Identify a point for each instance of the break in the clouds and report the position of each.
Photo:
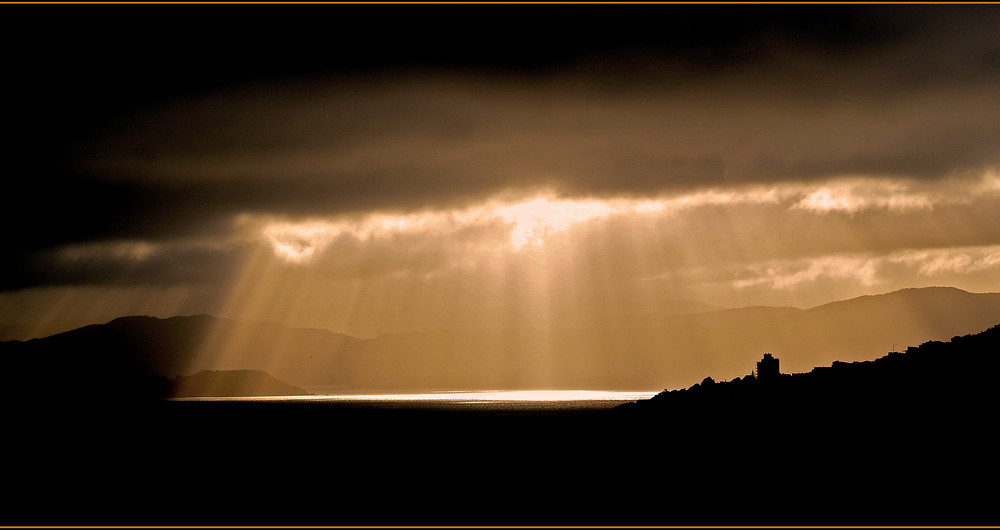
(726, 155)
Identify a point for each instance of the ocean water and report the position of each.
(469, 400)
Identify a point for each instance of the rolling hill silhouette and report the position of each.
(960, 373)
(232, 383)
(666, 353)
(138, 356)
(903, 439)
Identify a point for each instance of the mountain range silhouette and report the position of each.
(140, 355)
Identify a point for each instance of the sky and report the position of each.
(375, 169)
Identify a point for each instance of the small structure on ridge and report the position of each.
(767, 369)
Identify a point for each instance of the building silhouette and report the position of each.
(767, 368)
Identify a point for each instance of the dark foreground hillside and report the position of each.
(906, 440)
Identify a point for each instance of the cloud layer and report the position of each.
(729, 155)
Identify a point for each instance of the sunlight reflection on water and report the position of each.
(540, 398)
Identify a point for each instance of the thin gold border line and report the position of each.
(749, 527)
(502, 2)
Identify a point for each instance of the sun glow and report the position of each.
(528, 223)
(525, 222)
(531, 221)
(535, 220)
(298, 243)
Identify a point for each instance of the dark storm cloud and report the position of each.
(123, 264)
(159, 123)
